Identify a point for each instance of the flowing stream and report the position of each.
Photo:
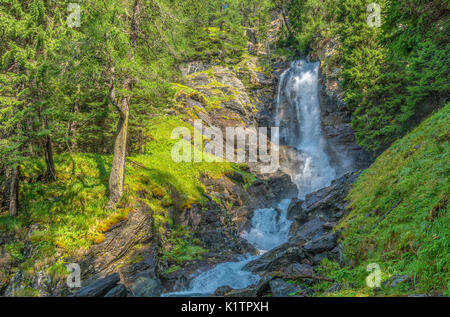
(298, 116)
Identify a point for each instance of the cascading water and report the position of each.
(298, 116)
(270, 227)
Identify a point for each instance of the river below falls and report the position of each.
(297, 113)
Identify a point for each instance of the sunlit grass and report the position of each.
(414, 237)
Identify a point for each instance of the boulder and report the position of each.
(280, 288)
(245, 292)
(222, 290)
(268, 193)
(396, 280)
(146, 287)
(310, 230)
(276, 259)
(118, 291)
(322, 244)
(329, 203)
(295, 210)
(99, 287)
(298, 269)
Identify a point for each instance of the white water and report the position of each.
(298, 115)
(270, 228)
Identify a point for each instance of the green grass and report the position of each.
(70, 214)
(414, 237)
(180, 247)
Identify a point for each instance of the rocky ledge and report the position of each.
(312, 240)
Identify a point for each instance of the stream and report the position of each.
(298, 116)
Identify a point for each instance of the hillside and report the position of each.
(399, 215)
(135, 138)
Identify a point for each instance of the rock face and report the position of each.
(146, 287)
(218, 227)
(276, 259)
(345, 154)
(118, 291)
(217, 231)
(312, 241)
(99, 287)
(280, 288)
(327, 204)
(267, 193)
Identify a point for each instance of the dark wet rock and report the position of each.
(336, 287)
(345, 154)
(295, 210)
(337, 254)
(118, 291)
(298, 269)
(322, 244)
(179, 279)
(329, 203)
(222, 290)
(276, 259)
(396, 280)
(245, 292)
(318, 258)
(99, 287)
(146, 287)
(215, 229)
(268, 193)
(280, 288)
(310, 230)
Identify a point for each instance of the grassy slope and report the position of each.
(70, 214)
(413, 238)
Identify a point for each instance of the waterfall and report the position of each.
(298, 116)
(270, 227)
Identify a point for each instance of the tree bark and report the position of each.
(284, 14)
(50, 174)
(117, 176)
(14, 192)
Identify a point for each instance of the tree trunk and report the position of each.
(284, 14)
(221, 18)
(50, 174)
(14, 192)
(117, 176)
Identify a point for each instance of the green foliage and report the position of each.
(312, 20)
(392, 76)
(410, 180)
(15, 250)
(181, 248)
